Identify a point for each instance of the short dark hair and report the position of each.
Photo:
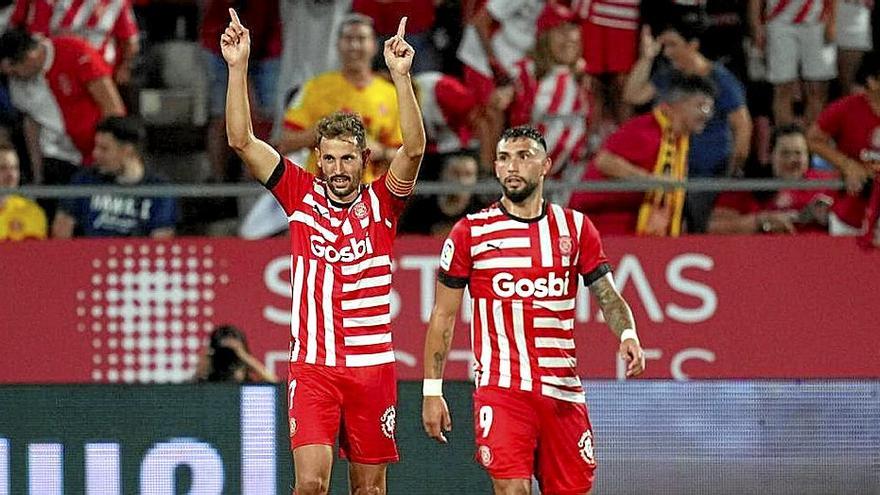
(342, 124)
(785, 130)
(128, 130)
(15, 44)
(684, 85)
(870, 67)
(352, 19)
(524, 131)
(689, 22)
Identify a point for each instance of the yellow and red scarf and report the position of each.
(661, 210)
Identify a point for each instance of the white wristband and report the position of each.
(629, 333)
(432, 387)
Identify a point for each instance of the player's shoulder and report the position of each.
(489, 214)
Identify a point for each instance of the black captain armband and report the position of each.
(450, 281)
(599, 272)
(273, 179)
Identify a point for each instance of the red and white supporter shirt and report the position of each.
(58, 99)
(340, 269)
(522, 276)
(103, 23)
(795, 11)
(558, 106)
(617, 14)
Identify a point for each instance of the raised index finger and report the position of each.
(234, 17)
(401, 28)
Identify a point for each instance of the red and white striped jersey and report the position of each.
(103, 23)
(58, 99)
(522, 276)
(558, 107)
(619, 14)
(340, 269)
(446, 105)
(795, 11)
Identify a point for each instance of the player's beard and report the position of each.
(520, 195)
(343, 191)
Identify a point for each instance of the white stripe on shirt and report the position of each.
(366, 302)
(327, 306)
(383, 260)
(366, 321)
(522, 350)
(511, 262)
(376, 338)
(553, 343)
(311, 314)
(360, 360)
(503, 345)
(367, 282)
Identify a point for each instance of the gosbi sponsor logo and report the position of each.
(505, 285)
(355, 250)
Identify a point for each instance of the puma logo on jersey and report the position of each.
(355, 250)
(506, 286)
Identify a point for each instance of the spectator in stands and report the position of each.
(552, 95)
(796, 33)
(854, 39)
(498, 34)
(354, 88)
(265, 24)
(610, 36)
(780, 212)
(653, 146)
(118, 162)
(420, 16)
(723, 146)
(108, 26)
(847, 135)
(435, 214)
(20, 217)
(59, 123)
(228, 359)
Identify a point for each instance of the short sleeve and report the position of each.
(455, 257)
(391, 204)
(634, 141)
(125, 28)
(830, 120)
(76, 207)
(731, 94)
(592, 262)
(164, 214)
(299, 115)
(89, 64)
(740, 201)
(287, 183)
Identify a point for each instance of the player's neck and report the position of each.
(528, 209)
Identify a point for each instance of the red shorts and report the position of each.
(357, 404)
(608, 50)
(520, 434)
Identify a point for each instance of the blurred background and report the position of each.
(145, 282)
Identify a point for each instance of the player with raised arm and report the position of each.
(341, 357)
(521, 259)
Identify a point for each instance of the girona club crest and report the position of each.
(360, 211)
(389, 422)
(566, 245)
(585, 447)
(485, 455)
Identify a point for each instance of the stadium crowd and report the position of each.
(131, 92)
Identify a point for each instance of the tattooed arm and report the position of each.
(435, 413)
(619, 318)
